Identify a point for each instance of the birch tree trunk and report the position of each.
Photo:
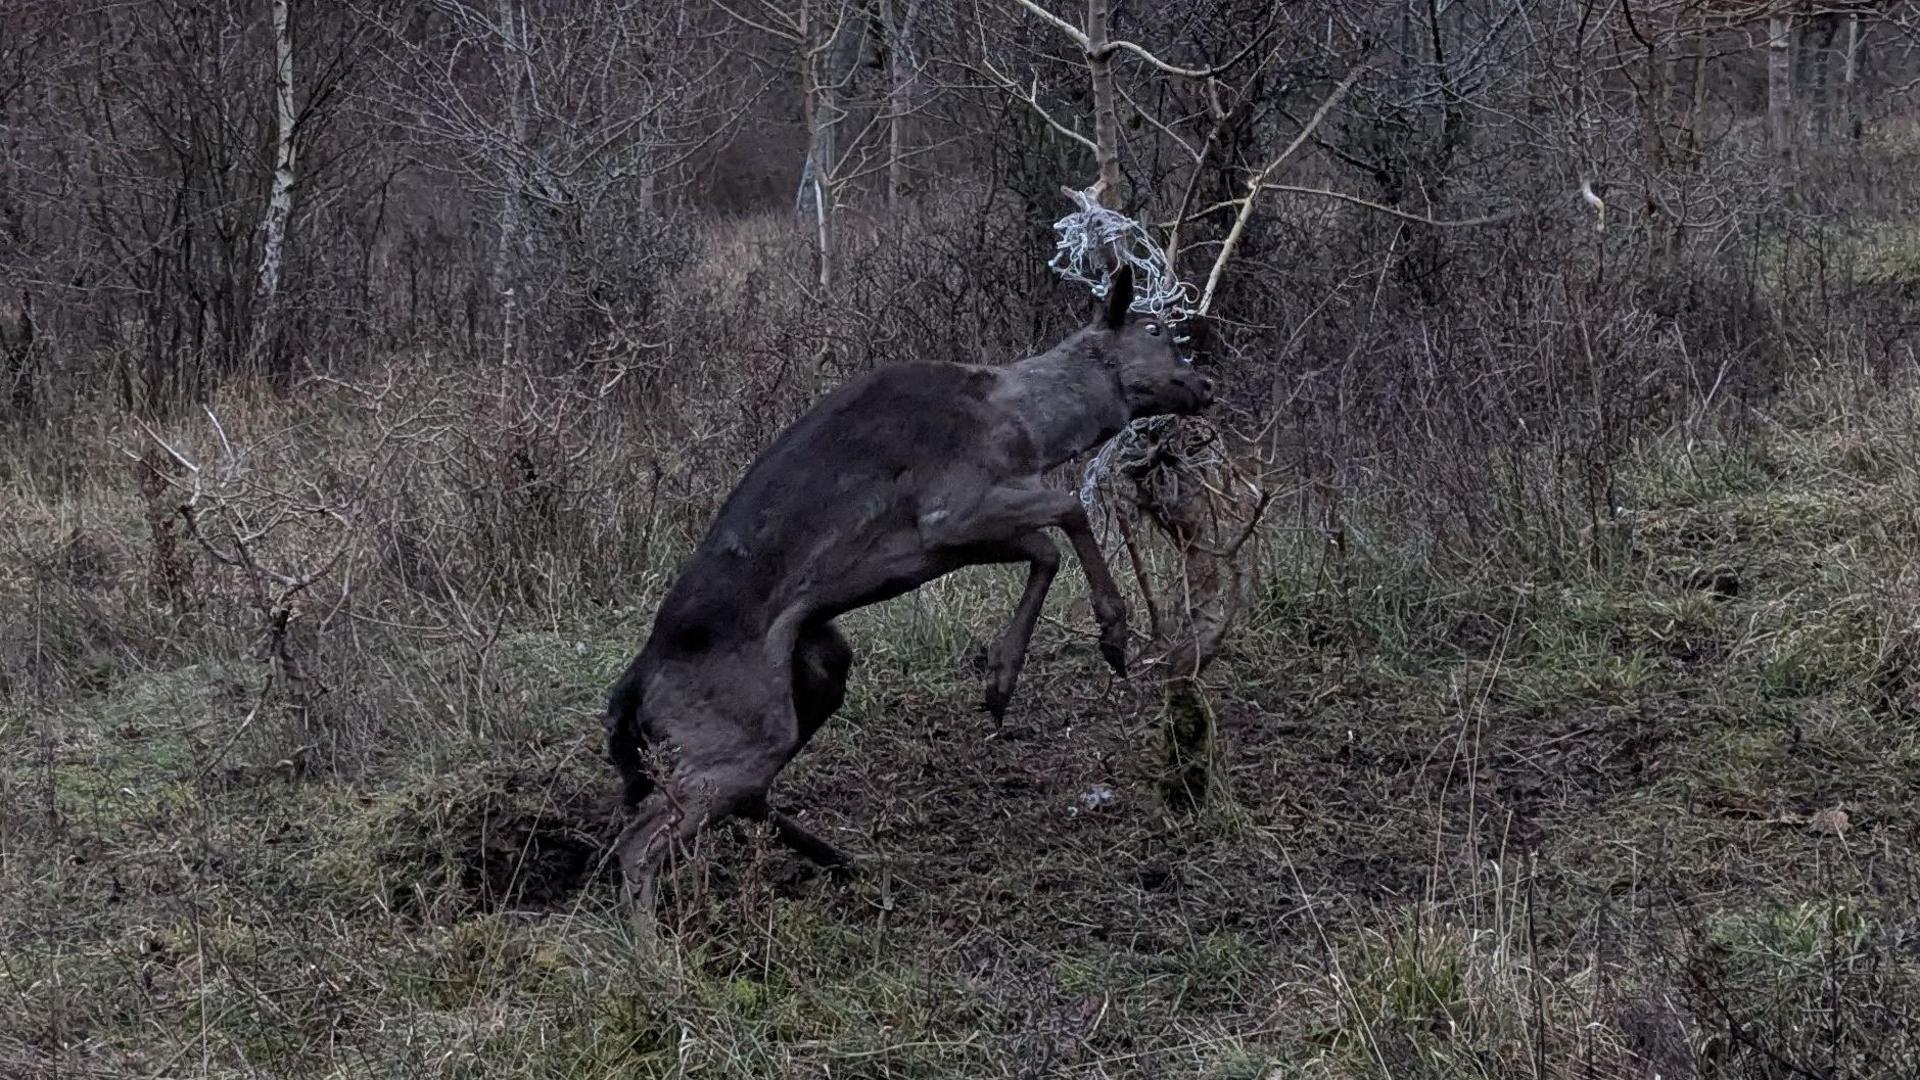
(816, 108)
(1106, 107)
(812, 197)
(827, 54)
(1780, 91)
(902, 73)
(1850, 78)
(513, 32)
(273, 226)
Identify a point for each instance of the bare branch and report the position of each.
(1073, 32)
(1419, 219)
(1259, 182)
(1107, 49)
(1031, 98)
(790, 34)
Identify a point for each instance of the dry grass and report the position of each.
(1650, 813)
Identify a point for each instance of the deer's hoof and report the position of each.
(997, 698)
(848, 868)
(1114, 652)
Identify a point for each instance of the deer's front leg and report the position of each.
(1009, 651)
(1001, 515)
(1109, 610)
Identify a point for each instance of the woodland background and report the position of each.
(1531, 638)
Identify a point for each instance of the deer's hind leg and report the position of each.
(698, 795)
(822, 660)
(806, 843)
(666, 818)
(736, 728)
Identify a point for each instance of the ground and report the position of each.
(1645, 810)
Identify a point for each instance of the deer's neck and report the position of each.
(1068, 401)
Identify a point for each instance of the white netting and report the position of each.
(1086, 236)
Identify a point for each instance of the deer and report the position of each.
(894, 479)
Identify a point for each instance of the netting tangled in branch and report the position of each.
(1081, 255)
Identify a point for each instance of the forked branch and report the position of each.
(1260, 182)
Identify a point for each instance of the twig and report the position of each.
(1259, 182)
(1490, 219)
(1108, 48)
(1032, 100)
(1140, 573)
(252, 714)
(1253, 521)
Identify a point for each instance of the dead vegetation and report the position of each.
(1651, 812)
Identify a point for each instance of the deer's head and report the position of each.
(1154, 376)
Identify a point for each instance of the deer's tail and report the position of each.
(626, 742)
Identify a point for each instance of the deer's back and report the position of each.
(837, 484)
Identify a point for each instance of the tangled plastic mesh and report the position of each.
(1086, 235)
(1092, 230)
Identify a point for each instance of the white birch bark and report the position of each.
(512, 202)
(1780, 89)
(273, 225)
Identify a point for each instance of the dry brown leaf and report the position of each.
(1833, 819)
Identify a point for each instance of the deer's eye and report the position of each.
(1153, 329)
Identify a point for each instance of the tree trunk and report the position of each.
(1405, 63)
(1189, 487)
(273, 226)
(1106, 104)
(902, 74)
(512, 203)
(1850, 77)
(821, 63)
(1188, 735)
(1653, 151)
(1819, 118)
(812, 197)
(1190, 490)
(1697, 102)
(17, 368)
(1688, 133)
(1189, 743)
(1780, 91)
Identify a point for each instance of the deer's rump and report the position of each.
(822, 522)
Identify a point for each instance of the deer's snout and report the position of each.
(1203, 390)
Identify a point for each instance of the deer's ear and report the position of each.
(1120, 297)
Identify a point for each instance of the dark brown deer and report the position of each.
(897, 478)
